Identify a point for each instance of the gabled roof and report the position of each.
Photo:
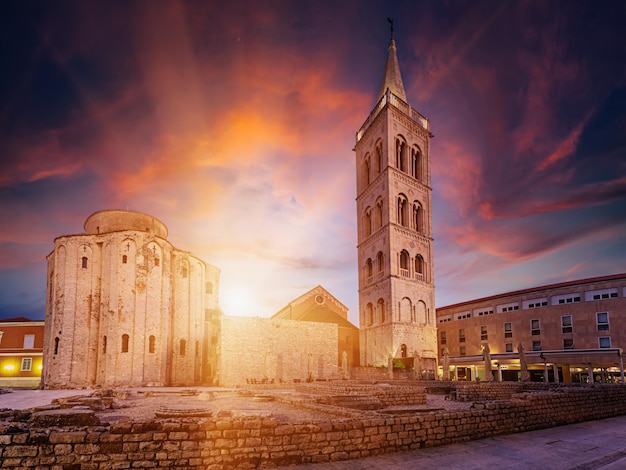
(392, 78)
(316, 305)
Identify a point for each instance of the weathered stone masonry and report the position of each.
(255, 441)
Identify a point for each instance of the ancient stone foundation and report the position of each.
(244, 442)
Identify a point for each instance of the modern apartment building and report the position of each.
(573, 328)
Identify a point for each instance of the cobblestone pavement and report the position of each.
(593, 445)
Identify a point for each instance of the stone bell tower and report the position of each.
(394, 219)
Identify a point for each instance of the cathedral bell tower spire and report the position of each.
(394, 222)
(392, 79)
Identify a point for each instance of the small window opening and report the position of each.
(84, 262)
(183, 347)
(125, 343)
(124, 259)
(151, 343)
(56, 345)
(104, 345)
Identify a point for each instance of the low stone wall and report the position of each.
(485, 391)
(250, 442)
(389, 395)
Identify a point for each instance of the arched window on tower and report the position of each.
(369, 314)
(400, 154)
(403, 350)
(419, 267)
(418, 217)
(378, 220)
(379, 157)
(84, 262)
(368, 222)
(104, 345)
(404, 263)
(125, 339)
(416, 161)
(381, 309)
(56, 345)
(402, 210)
(183, 347)
(369, 272)
(367, 170)
(124, 259)
(380, 262)
(151, 343)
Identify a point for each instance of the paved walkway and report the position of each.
(593, 445)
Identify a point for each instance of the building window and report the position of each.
(368, 222)
(183, 347)
(56, 345)
(415, 163)
(535, 329)
(184, 271)
(208, 288)
(381, 308)
(125, 343)
(508, 347)
(84, 262)
(603, 321)
(27, 364)
(404, 263)
(402, 208)
(536, 345)
(508, 330)
(29, 341)
(483, 333)
(418, 217)
(403, 350)
(462, 351)
(369, 314)
(462, 335)
(401, 155)
(369, 269)
(157, 261)
(419, 267)
(151, 342)
(104, 345)
(604, 342)
(442, 337)
(380, 261)
(568, 343)
(566, 323)
(124, 259)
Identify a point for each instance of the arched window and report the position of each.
(184, 271)
(125, 339)
(400, 154)
(84, 262)
(124, 259)
(368, 222)
(379, 157)
(208, 288)
(366, 170)
(404, 263)
(402, 210)
(403, 350)
(416, 160)
(418, 217)
(157, 261)
(379, 213)
(380, 261)
(381, 309)
(368, 267)
(56, 345)
(104, 345)
(151, 343)
(183, 347)
(419, 267)
(369, 314)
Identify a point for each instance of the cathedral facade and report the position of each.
(125, 307)
(394, 220)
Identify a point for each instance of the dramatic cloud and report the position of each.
(234, 124)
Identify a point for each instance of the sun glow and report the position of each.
(238, 301)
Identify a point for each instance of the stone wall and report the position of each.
(389, 395)
(276, 351)
(251, 442)
(482, 391)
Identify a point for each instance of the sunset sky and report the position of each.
(234, 122)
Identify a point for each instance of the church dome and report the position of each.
(112, 220)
